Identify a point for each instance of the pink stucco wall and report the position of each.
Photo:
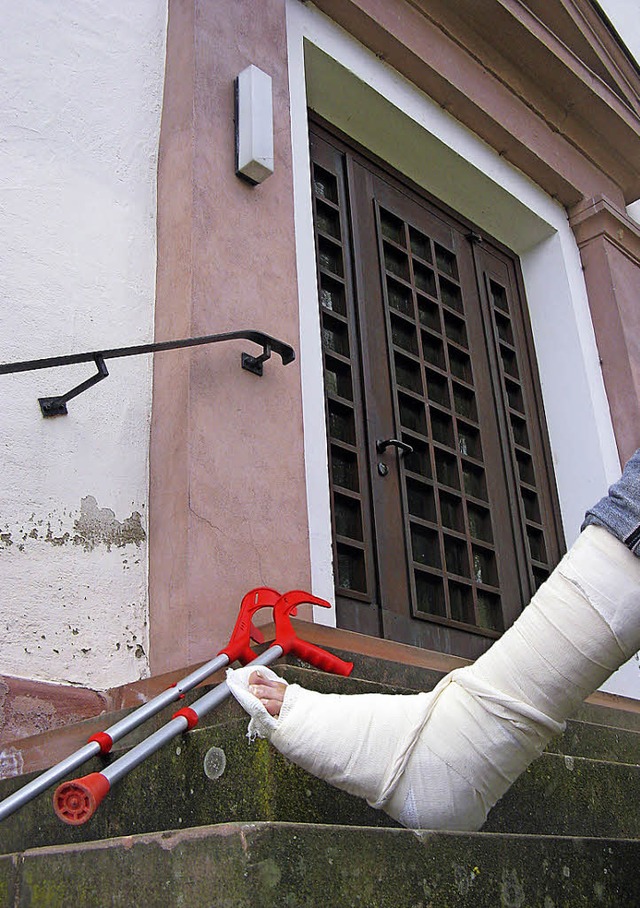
(609, 244)
(228, 500)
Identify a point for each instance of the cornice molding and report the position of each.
(597, 218)
(502, 72)
(624, 99)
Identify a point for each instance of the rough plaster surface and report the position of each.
(82, 614)
(80, 102)
(228, 498)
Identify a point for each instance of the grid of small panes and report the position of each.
(341, 388)
(453, 559)
(514, 392)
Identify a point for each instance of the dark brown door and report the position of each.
(443, 506)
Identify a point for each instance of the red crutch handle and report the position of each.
(238, 646)
(287, 638)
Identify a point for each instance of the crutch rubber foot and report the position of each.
(76, 802)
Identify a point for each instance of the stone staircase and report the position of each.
(215, 821)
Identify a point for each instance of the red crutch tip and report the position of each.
(76, 802)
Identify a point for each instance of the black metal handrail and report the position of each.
(57, 406)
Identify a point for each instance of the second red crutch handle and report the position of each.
(287, 638)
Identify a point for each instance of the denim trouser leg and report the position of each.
(619, 511)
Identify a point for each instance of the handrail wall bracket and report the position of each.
(57, 406)
(254, 363)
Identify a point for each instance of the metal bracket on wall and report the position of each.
(254, 363)
(57, 406)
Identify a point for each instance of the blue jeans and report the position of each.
(619, 511)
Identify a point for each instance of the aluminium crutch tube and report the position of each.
(238, 649)
(76, 801)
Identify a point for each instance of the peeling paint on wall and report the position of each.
(56, 625)
(99, 525)
(93, 526)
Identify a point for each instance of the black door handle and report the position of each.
(402, 446)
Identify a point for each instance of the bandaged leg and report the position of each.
(351, 741)
(442, 759)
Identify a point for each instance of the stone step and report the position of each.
(38, 752)
(393, 666)
(264, 864)
(564, 795)
(558, 795)
(34, 754)
(599, 742)
(582, 738)
(595, 739)
(172, 790)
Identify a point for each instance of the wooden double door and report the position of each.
(444, 511)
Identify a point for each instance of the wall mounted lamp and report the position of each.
(254, 125)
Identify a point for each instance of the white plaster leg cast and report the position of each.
(442, 759)
(353, 742)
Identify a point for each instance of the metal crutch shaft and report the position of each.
(76, 801)
(237, 649)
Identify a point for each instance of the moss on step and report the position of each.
(264, 865)
(171, 791)
(567, 795)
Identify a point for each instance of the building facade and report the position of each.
(447, 241)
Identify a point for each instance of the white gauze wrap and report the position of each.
(442, 759)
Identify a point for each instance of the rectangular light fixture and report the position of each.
(254, 125)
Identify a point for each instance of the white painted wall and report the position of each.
(80, 102)
(350, 87)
